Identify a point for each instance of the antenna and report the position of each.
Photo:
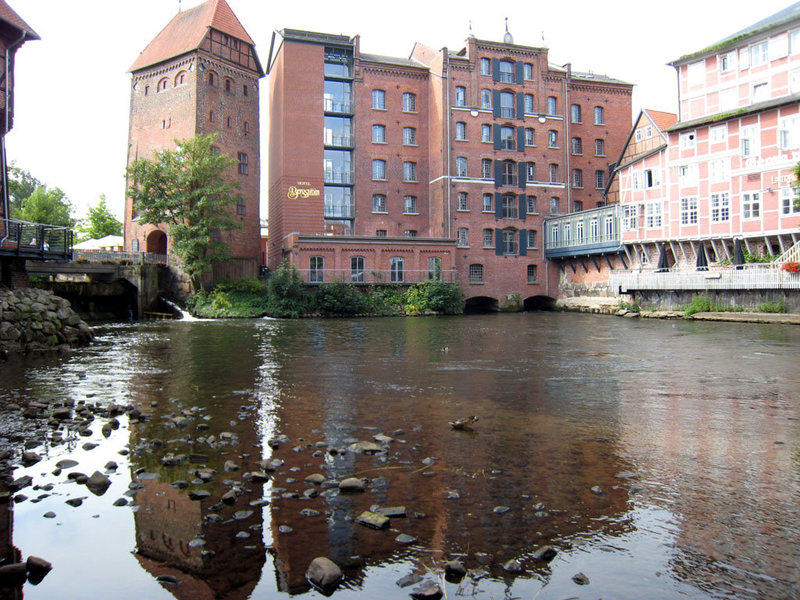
(179, 5)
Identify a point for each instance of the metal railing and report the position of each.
(754, 276)
(340, 211)
(401, 277)
(338, 177)
(791, 255)
(133, 258)
(35, 240)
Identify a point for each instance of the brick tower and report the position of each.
(200, 75)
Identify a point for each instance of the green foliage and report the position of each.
(386, 301)
(434, 296)
(50, 207)
(631, 306)
(749, 257)
(702, 303)
(339, 298)
(772, 307)
(243, 298)
(186, 189)
(21, 185)
(100, 222)
(288, 296)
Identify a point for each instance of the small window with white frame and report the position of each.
(652, 214)
(751, 205)
(687, 141)
(410, 205)
(638, 135)
(718, 134)
(760, 92)
(689, 210)
(630, 218)
(794, 41)
(487, 203)
(749, 140)
(688, 175)
(789, 132)
(648, 132)
(759, 53)
(794, 82)
(719, 170)
(727, 62)
(463, 237)
(789, 201)
(462, 202)
(720, 207)
(488, 238)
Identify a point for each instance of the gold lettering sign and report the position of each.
(296, 192)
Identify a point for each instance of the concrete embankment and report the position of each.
(33, 320)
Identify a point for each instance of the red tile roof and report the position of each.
(662, 120)
(9, 16)
(186, 31)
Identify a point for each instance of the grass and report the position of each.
(701, 303)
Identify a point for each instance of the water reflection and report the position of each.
(660, 459)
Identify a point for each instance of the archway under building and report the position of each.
(539, 303)
(156, 242)
(480, 305)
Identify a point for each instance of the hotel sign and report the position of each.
(303, 190)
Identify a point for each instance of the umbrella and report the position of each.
(702, 259)
(738, 254)
(663, 265)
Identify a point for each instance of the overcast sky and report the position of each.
(73, 86)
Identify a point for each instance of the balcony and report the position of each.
(336, 176)
(589, 232)
(35, 240)
(755, 276)
(341, 106)
(340, 211)
(344, 140)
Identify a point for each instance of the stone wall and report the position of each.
(33, 320)
(744, 299)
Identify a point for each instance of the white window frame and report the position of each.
(751, 205)
(463, 237)
(689, 210)
(720, 203)
(379, 99)
(653, 214)
(788, 195)
(718, 133)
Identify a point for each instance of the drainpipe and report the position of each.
(446, 79)
(568, 140)
(3, 162)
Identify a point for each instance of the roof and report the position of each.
(392, 60)
(595, 77)
(662, 120)
(9, 16)
(737, 112)
(782, 17)
(187, 30)
(108, 241)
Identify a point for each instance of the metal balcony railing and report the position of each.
(754, 276)
(35, 240)
(339, 211)
(339, 141)
(338, 176)
(367, 276)
(134, 258)
(343, 106)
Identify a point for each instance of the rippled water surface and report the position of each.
(660, 459)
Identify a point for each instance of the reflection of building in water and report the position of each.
(353, 386)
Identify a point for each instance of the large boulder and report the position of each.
(323, 573)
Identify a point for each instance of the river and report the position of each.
(660, 459)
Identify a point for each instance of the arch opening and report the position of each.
(481, 305)
(156, 242)
(539, 303)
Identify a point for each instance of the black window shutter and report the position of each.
(521, 139)
(498, 242)
(496, 69)
(498, 173)
(522, 174)
(498, 205)
(520, 105)
(496, 103)
(523, 242)
(523, 206)
(520, 72)
(496, 136)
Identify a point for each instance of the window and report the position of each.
(720, 207)
(486, 168)
(726, 62)
(509, 241)
(409, 102)
(567, 229)
(599, 179)
(379, 169)
(794, 41)
(461, 96)
(728, 99)
(487, 203)
(486, 66)
(147, 90)
(378, 134)
(648, 132)
(593, 229)
(608, 232)
(488, 235)
(528, 71)
(577, 145)
(638, 135)
(790, 132)
(461, 131)
(751, 205)
(552, 139)
(162, 85)
(211, 116)
(378, 203)
(577, 178)
(410, 205)
(180, 79)
(241, 206)
(553, 173)
(531, 238)
(552, 105)
(599, 115)
(759, 53)
(486, 98)
(486, 133)
(379, 99)
(686, 141)
(357, 269)
(242, 163)
(506, 74)
(575, 113)
(554, 205)
(228, 85)
(507, 105)
(718, 134)
(689, 210)
(688, 174)
(599, 148)
(212, 78)
(531, 273)
(506, 138)
(577, 206)
(246, 128)
(245, 90)
(461, 167)
(380, 233)
(435, 268)
(760, 92)
(554, 234)
(396, 274)
(789, 201)
(410, 233)
(461, 203)
(463, 237)
(316, 269)
(510, 206)
(529, 103)
(228, 122)
(529, 137)
(409, 136)
(531, 205)
(580, 234)
(719, 170)
(652, 215)
(409, 171)
(476, 273)
(630, 218)
(749, 141)
(530, 171)
(509, 173)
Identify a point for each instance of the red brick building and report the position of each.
(199, 76)
(453, 158)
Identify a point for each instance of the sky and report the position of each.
(73, 86)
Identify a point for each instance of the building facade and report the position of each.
(200, 75)
(452, 157)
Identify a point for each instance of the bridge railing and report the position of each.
(35, 240)
(134, 258)
(379, 276)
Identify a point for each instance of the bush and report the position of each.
(288, 296)
(772, 307)
(385, 300)
(339, 298)
(702, 303)
(243, 298)
(434, 296)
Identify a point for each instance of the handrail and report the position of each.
(398, 276)
(36, 240)
(791, 255)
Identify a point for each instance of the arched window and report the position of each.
(229, 85)
(509, 172)
(162, 85)
(246, 127)
(396, 274)
(180, 78)
(212, 78)
(509, 241)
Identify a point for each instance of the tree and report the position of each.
(21, 185)
(47, 206)
(100, 222)
(186, 189)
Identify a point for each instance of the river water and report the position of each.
(660, 459)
